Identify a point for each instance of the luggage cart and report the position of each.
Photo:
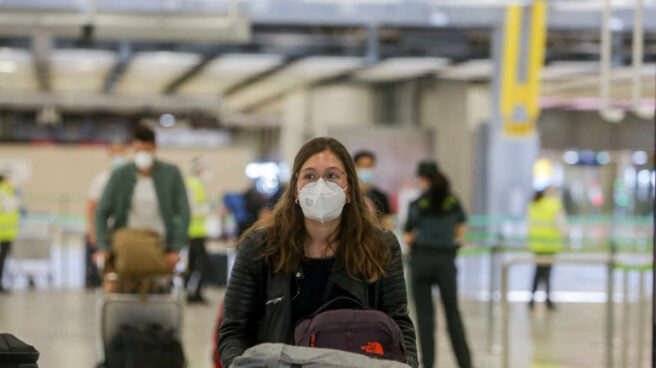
(163, 306)
(31, 253)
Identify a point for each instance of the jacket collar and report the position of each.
(355, 287)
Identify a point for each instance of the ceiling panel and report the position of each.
(396, 69)
(299, 73)
(150, 72)
(228, 71)
(469, 70)
(587, 84)
(562, 70)
(80, 70)
(17, 70)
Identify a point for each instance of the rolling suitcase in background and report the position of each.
(16, 354)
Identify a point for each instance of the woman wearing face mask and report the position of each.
(435, 225)
(320, 233)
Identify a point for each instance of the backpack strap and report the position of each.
(338, 299)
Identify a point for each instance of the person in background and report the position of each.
(365, 164)
(198, 259)
(271, 202)
(145, 194)
(320, 243)
(9, 217)
(433, 231)
(547, 221)
(254, 203)
(117, 152)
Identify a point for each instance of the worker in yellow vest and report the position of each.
(198, 259)
(547, 222)
(9, 217)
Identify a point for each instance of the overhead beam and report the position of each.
(41, 51)
(470, 14)
(166, 27)
(183, 78)
(123, 58)
(100, 101)
(250, 81)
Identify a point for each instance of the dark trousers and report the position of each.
(542, 276)
(5, 247)
(91, 273)
(198, 265)
(430, 267)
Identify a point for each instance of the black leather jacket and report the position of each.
(258, 308)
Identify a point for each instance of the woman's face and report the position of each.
(324, 165)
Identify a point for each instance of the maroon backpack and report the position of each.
(360, 330)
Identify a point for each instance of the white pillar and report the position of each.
(454, 110)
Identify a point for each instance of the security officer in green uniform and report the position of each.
(435, 224)
(198, 258)
(9, 217)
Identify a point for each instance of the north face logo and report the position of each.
(373, 348)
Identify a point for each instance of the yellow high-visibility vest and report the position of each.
(8, 220)
(544, 235)
(197, 224)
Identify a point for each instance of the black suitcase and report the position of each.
(217, 269)
(16, 354)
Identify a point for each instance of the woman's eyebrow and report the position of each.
(328, 168)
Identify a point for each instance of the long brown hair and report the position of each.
(361, 249)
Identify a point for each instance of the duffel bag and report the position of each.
(14, 353)
(286, 356)
(138, 252)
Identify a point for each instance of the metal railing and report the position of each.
(608, 261)
(550, 260)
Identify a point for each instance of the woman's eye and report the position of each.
(309, 176)
(332, 176)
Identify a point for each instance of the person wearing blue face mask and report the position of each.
(116, 151)
(365, 164)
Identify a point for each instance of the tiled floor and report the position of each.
(62, 325)
(62, 322)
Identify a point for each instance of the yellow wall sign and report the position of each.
(520, 87)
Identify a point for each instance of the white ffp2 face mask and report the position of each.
(143, 160)
(322, 201)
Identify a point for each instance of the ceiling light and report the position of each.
(167, 120)
(603, 158)
(7, 66)
(639, 157)
(571, 157)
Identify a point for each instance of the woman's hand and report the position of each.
(171, 259)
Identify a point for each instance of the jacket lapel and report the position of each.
(350, 285)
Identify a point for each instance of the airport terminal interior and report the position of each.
(538, 113)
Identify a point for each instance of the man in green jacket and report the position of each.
(145, 194)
